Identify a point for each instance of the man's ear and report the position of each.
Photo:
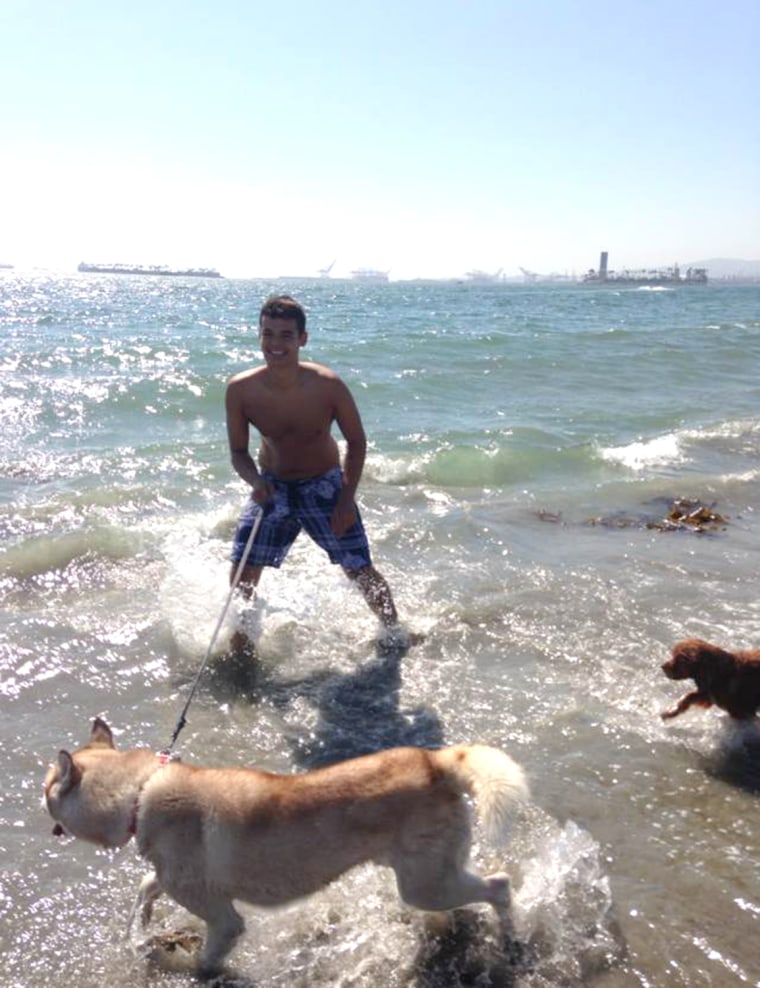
(100, 735)
(68, 773)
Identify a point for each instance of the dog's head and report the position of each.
(695, 659)
(93, 792)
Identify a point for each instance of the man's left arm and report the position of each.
(350, 424)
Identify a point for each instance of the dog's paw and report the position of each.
(176, 951)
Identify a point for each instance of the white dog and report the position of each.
(215, 835)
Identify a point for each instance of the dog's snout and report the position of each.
(58, 831)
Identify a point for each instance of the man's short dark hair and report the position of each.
(284, 307)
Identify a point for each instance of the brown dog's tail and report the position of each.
(493, 779)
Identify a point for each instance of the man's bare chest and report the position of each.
(280, 417)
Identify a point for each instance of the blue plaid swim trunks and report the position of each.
(298, 504)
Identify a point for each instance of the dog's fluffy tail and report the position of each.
(493, 779)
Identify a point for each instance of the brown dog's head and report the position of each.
(685, 656)
(695, 659)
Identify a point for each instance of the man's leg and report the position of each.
(376, 592)
(240, 643)
(249, 579)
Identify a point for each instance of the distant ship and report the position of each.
(6, 267)
(644, 278)
(484, 277)
(555, 278)
(325, 272)
(157, 269)
(370, 274)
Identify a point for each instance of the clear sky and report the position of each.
(428, 137)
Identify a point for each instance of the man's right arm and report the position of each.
(238, 438)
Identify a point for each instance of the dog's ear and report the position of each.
(717, 666)
(100, 735)
(690, 654)
(68, 774)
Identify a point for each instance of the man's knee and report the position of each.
(248, 579)
(366, 574)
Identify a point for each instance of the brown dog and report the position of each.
(215, 835)
(730, 680)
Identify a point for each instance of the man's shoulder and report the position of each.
(246, 376)
(318, 371)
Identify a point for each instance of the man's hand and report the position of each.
(344, 514)
(261, 490)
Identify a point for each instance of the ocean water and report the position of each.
(526, 446)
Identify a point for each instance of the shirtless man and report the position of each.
(298, 482)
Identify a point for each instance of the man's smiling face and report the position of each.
(280, 340)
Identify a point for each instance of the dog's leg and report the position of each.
(689, 700)
(150, 890)
(438, 882)
(499, 893)
(224, 925)
(147, 893)
(502, 904)
(431, 871)
(462, 888)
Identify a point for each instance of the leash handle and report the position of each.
(233, 587)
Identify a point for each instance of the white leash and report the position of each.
(233, 587)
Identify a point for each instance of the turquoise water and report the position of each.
(521, 440)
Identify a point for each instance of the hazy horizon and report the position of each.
(425, 138)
